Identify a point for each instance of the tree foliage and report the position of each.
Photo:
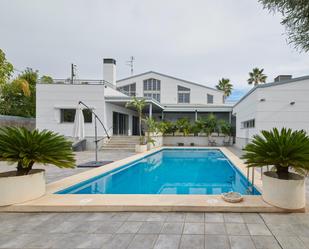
(6, 68)
(283, 149)
(24, 147)
(225, 86)
(295, 19)
(257, 76)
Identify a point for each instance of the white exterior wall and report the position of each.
(275, 111)
(50, 98)
(169, 93)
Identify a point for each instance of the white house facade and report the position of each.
(167, 98)
(283, 103)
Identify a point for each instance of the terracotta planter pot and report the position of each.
(139, 148)
(16, 189)
(287, 194)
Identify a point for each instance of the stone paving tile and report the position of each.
(217, 242)
(265, 242)
(140, 216)
(129, 227)
(215, 229)
(192, 242)
(143, 241)
(252, 218)
(194, 228)
(280, 218)
(43, 241)
(281, 229)
(301, 229)
(87, 227)
(172, 228)
(109, 227)
(151, 227)
(67, 240)
(165, 241)
(108, 216)
(194, 217)
(118, 241)
(64, 227)
(291, 242)
(157, 217)
(233, 218)
(241, 242)
(236, 229)
(19, 241)
(214, 217)
(258, 229)
(305, 240)
(176, 217)
(94, 240)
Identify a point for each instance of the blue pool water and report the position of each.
(170, 171)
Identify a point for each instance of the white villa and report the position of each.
(281, 103)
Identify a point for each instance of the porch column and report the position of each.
(195, 115)
(162, 115)
(230, 117)
(150, 110)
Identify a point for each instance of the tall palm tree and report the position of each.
(256, 76)
(225, 86)
(139, 105)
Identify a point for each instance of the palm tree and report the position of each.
(225, 86)
(285, 149)
(257, 77)
(139, 105)
(28, 147)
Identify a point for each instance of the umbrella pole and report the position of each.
(96, 138)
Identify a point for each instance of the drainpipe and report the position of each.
(150, 110)
(195, 115)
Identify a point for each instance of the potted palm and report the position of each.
(152, 131)
(139, 105)
(288, 152)
(226, 130)
(24, 147)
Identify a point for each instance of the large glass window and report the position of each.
(183, 94)
(68, 115)
(129, 90)
(152, 89)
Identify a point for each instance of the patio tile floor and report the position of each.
(149, 230)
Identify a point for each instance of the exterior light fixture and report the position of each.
(292, 103)
(262, 100)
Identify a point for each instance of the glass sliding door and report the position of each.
(120, 123)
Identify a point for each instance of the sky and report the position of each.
(197, 40)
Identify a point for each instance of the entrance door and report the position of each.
(120, 123)
(135, 125)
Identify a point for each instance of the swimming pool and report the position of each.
(170, 171)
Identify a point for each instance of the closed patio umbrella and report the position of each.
(79, 124)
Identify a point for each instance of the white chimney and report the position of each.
(109, 70)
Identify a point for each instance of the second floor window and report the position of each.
(183, 94)
(152, 89)
(210, 99)
(129, 90)
(68, 115)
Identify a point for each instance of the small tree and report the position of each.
(225, 128)
(257, 77)
(225, 86)
(184, 126)
(45, 79)
(139, 105)
(283, 149)
(6, 69)
(24, 147)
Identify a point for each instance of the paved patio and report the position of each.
(150, 230)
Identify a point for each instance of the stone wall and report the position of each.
(28, 123)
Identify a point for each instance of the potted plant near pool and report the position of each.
(287, 152)
(139, 105)
(24, 148)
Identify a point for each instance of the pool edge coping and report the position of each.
(93, 202)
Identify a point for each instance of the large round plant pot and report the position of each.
(287, 194)
(16, 189)
(139, 148)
